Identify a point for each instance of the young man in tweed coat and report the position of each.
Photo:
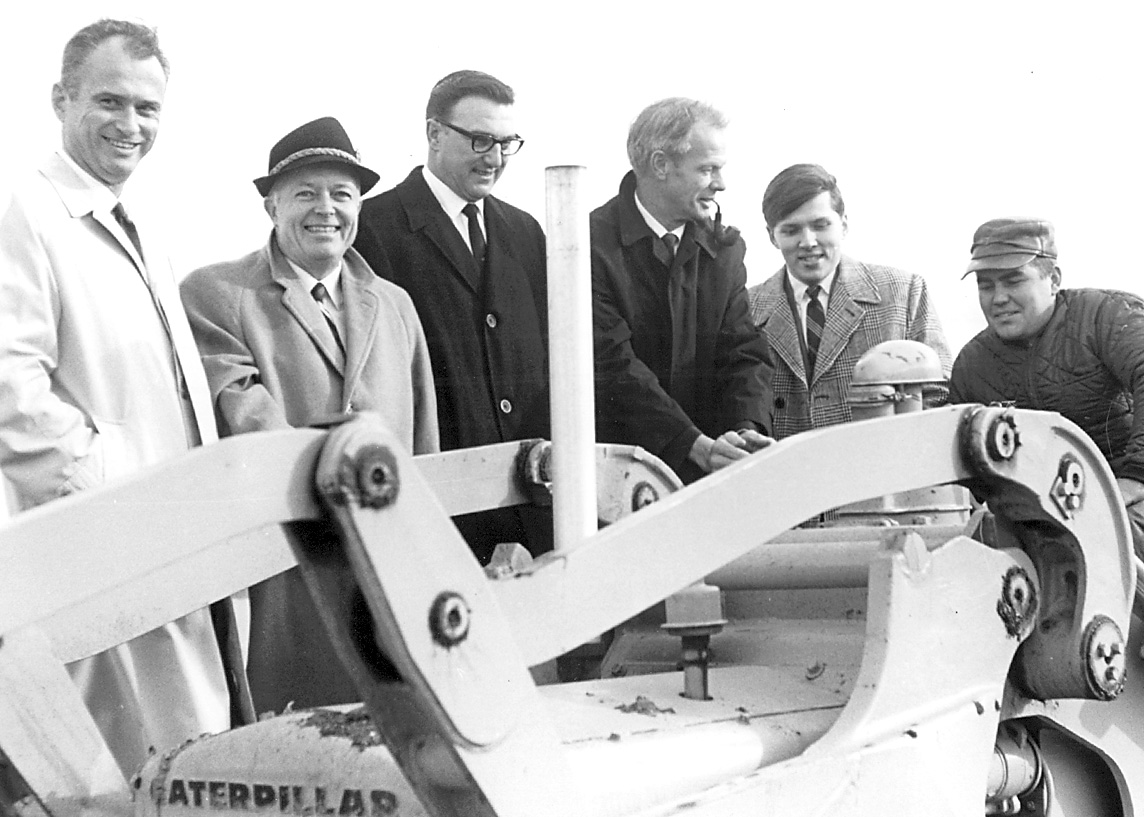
(861, 304)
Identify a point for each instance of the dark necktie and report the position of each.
(665, 248)
(682, 302)
(815, 320)
(128, 227)
(326, 303)
(476, 236)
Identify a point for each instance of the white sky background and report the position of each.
(934, 117)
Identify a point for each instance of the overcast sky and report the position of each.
(933, 116)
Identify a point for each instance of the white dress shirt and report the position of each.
(453, 204)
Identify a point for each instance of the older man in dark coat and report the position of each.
(475, 268)
(680, 368)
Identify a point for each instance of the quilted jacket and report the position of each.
(1087, 364)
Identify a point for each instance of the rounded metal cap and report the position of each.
(898, 361)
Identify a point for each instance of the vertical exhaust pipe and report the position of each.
(570, 358)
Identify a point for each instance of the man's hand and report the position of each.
(1130, 490)
(731, 446)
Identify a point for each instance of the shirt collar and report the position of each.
(450, 202)
(102, 199)
(653, 222)
(331, 282)
(798, 288)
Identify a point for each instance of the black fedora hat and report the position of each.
(323, 141)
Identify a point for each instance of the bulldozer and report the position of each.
(942, 621)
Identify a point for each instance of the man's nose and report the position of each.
(324, 203)
(717, 181)
(128, 120)
(494, 156)
(807, 238)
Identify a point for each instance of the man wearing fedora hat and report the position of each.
(475, 267)
(295, 332)
(1079, 352)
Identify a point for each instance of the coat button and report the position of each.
(505, 406)
(780, 402)
(491, 320)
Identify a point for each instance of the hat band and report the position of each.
(302, 154)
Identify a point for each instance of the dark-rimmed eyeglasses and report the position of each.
(483, 142)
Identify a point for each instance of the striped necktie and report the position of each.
(815, 320)
(322, 296)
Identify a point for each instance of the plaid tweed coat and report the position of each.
(868, 304)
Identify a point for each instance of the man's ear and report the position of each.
(771, 236)
(432, 132)
(59, 97)
(1055, 277)
(845, 226)
(270, 207)
(660, 164)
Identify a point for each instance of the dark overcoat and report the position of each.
(644, 395)
(487, 329)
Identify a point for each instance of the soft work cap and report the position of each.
(1008, 243)
(323, 141)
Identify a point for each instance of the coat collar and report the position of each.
(359, 305)
(854, 292)
(82, 195)
(424, 214)
(633, 226)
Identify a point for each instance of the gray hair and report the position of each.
(139, 41)
(666, 126)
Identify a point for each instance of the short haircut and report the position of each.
(139, 41)
(666, 126)
(794, 187)
(462, 84)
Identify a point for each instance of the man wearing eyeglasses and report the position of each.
(475, 268)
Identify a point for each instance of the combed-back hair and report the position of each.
(139, 41)
(462, 84)
(794, 187)
(666, 126)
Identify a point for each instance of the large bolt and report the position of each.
(376, 475)
(1002, 441)
(644, 495)
(1104, 657)
(449, 619)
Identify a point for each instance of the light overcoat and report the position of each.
(88, 393)
(868, 304)
(273, 362)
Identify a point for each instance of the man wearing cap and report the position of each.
(1078, 352)
(680, 369)
(99, 375)
(297, 332)
(823, 310)
(475, 267)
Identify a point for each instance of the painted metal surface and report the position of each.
(464, 722)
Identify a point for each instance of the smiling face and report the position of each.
(1018, 303)
(810, 239)
(111, 118)
(469, 174)
(315, 214)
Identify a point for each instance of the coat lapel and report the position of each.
(772, 309)
(852, 294)
(303, 308)
(425, 215)
(360, 304)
